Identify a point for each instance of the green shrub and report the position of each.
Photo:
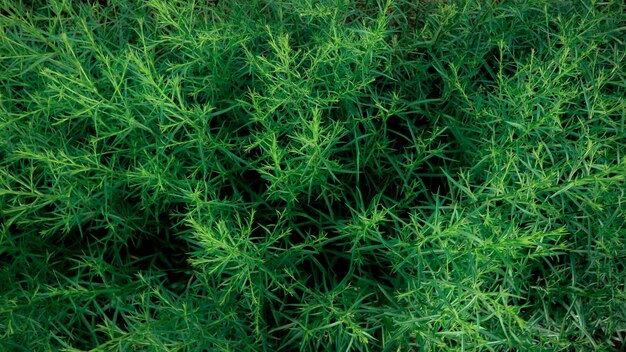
(313, 175)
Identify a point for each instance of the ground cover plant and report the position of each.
(299, 175)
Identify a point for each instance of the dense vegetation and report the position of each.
(313, 175)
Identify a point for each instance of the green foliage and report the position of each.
(329, 175)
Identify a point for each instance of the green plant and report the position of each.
(312, 175)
